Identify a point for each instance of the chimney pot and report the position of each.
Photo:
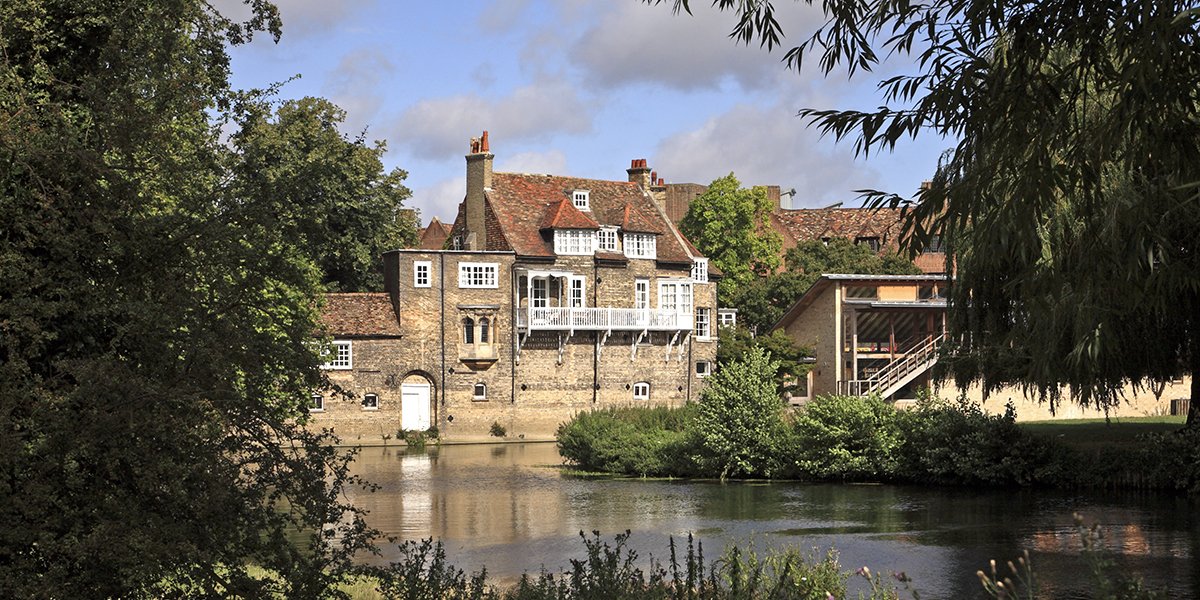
(483, 142)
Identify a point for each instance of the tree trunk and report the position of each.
(1193, 415)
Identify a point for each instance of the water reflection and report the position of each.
(508, 507)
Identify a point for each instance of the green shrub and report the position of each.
(848, 438)
(414, 439)
(632, 441)
(498, 430)
(738, 428)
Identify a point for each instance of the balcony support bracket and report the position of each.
(637, 340)
(671, 346)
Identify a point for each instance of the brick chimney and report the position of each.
(479, 180)
(639, 173)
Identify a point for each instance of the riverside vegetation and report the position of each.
(740, 429)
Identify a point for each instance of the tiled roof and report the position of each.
(433, 237)
(359, 314)
(634, 220)
(521, 203)
(565, 215)
(807, 224)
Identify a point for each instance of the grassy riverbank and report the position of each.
(740, 429)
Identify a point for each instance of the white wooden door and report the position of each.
(414, 406)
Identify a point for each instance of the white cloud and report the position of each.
(502, 15)
(552, 161)
(440, 128)
(354, 85)
(765, 146)
(634, 43)
(300, 17)
(440, 199)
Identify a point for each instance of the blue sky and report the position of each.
(573, 87)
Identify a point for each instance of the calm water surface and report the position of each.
(509, 507)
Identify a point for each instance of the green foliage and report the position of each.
(498, 430)
(738, 426)
(844, 437)
(422, 573)
(155, 359)
(328, 191)
(729, 224)
(736, 342)
(414, 439)
(632, 441)
(957, 443)
(1071, 198)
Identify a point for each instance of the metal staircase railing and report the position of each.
(915, 360)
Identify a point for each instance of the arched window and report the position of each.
(641, 391)
(469, 330)
(481, 391)
(483, 330)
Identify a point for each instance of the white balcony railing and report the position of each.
(602, 319)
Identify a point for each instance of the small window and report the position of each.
(575, 292)
(703, 368)
(580, 199)
(484, 326)
(370, 402)
(641, 391)
(468, 330)
(641, 294)
(478, 275)
(421, 269)
(700, 270)
(340, 356)
(316, 403)
(727, 317)
(870, 242)
(480, 392)
(935, 244)
(641, 245)
(577, 242)
(607, 239)
(703, 323)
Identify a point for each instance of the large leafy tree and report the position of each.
(330, 190)
(155, 322)
(729, 224)
(1069, 199)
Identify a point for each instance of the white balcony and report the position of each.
(602, 319)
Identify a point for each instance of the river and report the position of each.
(510, 508)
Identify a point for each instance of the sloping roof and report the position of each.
(565, 215)
(635, 221)
(521, 204)
(807, 224)
(359, 314)
(433, 236)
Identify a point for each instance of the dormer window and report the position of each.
(606, 239)
(640, 245)
(574, 241)
(700, 270)
(580, 199)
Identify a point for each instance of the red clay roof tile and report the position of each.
(359, 314)
(565, 215)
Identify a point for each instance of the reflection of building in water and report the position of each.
(1121, 533)
(415, 502)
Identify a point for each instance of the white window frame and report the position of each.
(341, 355)
(316, 403)
(475, 395)
(727, 317)
(539, 292)
(641, 294)
(703, 323)
(641, 390)
(700, 270)
(606, 239)
(581, 200)
(576, 291)
(675, 295)
(478, 275)
(703, 368)
(574, 242)
(370, 402)
(641, 245)
(422, 273)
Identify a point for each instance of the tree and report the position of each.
(729, 224)
(738, 419)
(1070, 199)
(330, 191)
(155, 323)
(737, 343)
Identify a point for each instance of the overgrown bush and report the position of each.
(738, 427)
(957, 443)
(498, 430)
(631, 441)
(847, 438)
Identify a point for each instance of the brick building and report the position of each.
(556, 295)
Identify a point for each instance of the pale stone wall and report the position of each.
(530, 395)
(817, 328)
(1140, 403)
